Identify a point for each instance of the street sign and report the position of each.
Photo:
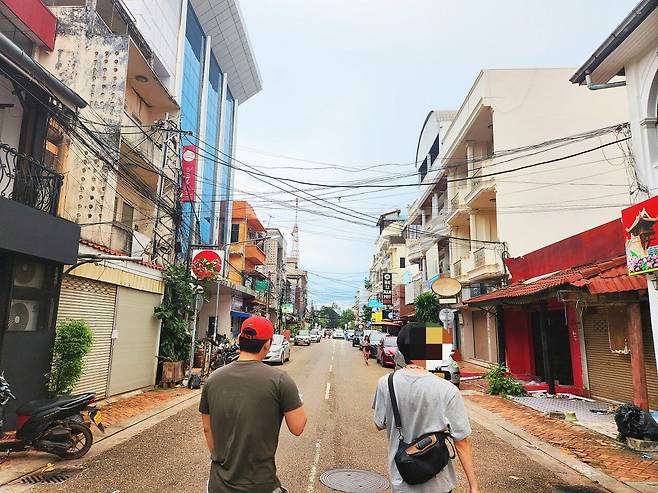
(387, 288)
(446, 316)
(287, 308)
(262, 285)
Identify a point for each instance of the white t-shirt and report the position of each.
(427, 404)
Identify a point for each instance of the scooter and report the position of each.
(54, 425)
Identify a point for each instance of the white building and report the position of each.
(514, 169)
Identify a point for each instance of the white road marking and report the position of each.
(331, 367)
(332, 358)
(314, 468)
(326, 392)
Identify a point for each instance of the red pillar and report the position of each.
(636, 347)
(573, 326)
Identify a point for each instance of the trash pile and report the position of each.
(637, 428)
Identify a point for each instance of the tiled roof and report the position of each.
(111, 251)
(609, 276)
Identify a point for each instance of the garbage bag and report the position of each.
(194, 382)
(635, 422)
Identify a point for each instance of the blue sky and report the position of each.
(348, 83)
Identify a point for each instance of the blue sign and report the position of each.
(375, 304)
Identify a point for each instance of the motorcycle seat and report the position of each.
(33, 408)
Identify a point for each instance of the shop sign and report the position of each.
(387, 288)
(262, 285)
(188, 185)
(375, 304)
(377, 317)
(207, 264)
(287, 308)
(639, 223)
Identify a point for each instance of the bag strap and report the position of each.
(394, 402)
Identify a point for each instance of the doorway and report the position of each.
(559, 349)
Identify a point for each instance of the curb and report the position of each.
(542, 452)
(113, 436)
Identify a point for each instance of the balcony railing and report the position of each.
(26, 180)
(457, 266)
(476, 177)
(480, 257)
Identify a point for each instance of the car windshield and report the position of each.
(314, 332)
(376, 336)
(391, 342)
(277, 340)
(303, 332)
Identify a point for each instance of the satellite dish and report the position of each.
(446, 286)
(447, 316)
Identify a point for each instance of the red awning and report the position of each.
(609, 276)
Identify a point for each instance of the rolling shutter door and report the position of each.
(480, 335)
(93, 302)
(609, 373)
(135, 347)
(649, 358)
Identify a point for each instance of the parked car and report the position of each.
(280, 350)
(449, 369)
(386, 350)
(350, 335)
(303, 337)
(375, 337)
(339, 334)
(315, 335)
(356, 340)
(328, 332)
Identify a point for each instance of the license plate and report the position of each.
(97, 418)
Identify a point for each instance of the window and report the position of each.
(127, 215)
(402, 262)
(235, 233)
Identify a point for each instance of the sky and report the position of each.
(347, 85)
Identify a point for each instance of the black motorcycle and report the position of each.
(54, 425)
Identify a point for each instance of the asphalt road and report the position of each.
(338, 390)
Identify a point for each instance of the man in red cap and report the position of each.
(242, 407)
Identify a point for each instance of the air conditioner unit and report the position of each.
(23, 315)
(28, 274)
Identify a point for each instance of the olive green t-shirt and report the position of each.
(246, 401)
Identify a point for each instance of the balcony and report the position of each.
(458, 213)
(140, 143)
(461, 268)
(437, 226)
(28, 181)
(254, 254)
(486, 262)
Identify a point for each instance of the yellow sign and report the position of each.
(377, 316)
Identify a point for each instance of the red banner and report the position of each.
(188, 186)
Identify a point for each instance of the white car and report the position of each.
(303, 337)
(339, 334)
(280, 350)
(315, 335)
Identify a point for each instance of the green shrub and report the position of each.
(73, 340)
(502, 383)
(427, 308)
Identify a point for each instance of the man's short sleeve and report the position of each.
(457, 417)
(288, 394)
(204, 407)
(380, 405)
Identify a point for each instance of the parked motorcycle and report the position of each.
(54, 425)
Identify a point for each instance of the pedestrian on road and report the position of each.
(242, 407)
(365, 348)
(426, 404)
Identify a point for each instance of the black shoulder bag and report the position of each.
(423, 458)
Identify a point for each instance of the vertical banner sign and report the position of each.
(387, 288)
(188, 186)
(639, 222)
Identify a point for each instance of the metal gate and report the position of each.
(94, 302)
(135, 343)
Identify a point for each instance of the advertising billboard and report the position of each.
(387, 288)
(639, 223)
(188, 187)
(207, 264)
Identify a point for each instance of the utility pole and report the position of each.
(269, 287)
(165, 146)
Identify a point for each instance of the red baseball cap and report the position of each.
(259, 328)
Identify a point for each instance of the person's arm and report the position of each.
(379, 407)
(296, 420)
(207, 431)
(466, 458)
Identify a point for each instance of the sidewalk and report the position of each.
(585, 445)
(119, 413)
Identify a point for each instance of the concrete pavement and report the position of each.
(337, 388)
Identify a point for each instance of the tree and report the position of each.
(367, 284)
(328, 317)
(366, 313)
(73, 340)
(427, 308)
(346, 317)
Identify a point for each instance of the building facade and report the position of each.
(274, 270)
(523, 149)
(37, 239)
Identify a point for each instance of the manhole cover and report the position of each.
(354, 481)
(51, 477)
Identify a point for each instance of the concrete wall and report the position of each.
(159, 22)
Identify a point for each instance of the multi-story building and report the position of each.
(501, 176)
(274, 270)
(37, 238)
(296, 288)
(390, 252)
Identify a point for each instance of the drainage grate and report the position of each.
(354, 481)
(51, 477)
(565, 488)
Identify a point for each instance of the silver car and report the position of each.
(280, 350)
(315, 335)
(303, 337)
